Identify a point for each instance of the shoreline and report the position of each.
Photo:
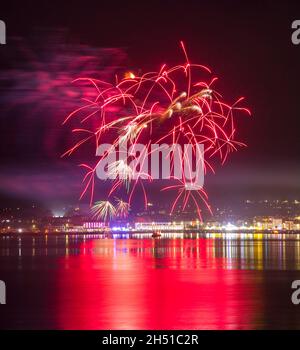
(185, 232)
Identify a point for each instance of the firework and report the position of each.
(122, 208)
(103, 210)
(175, 106)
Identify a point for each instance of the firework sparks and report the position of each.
(175, 106)
(103, 210)
(122, 208)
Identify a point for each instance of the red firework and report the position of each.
(170, 105)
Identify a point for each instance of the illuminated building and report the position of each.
(267, 223)
(93, 226)
(276, 223)
(289, 225)
(159, 226)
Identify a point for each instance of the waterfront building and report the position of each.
(159, 226)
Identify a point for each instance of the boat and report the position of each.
(156, 234)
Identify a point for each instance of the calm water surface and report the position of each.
(196, 282)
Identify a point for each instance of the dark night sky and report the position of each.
(247, 45)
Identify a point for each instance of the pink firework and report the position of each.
(173, 105)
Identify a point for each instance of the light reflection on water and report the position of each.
(198, 281)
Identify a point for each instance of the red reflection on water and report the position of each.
(154, 284)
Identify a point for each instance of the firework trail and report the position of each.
(35, 85)
(175, 106)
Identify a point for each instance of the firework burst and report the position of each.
(103, 210)
(175, 106)
(122, 208)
